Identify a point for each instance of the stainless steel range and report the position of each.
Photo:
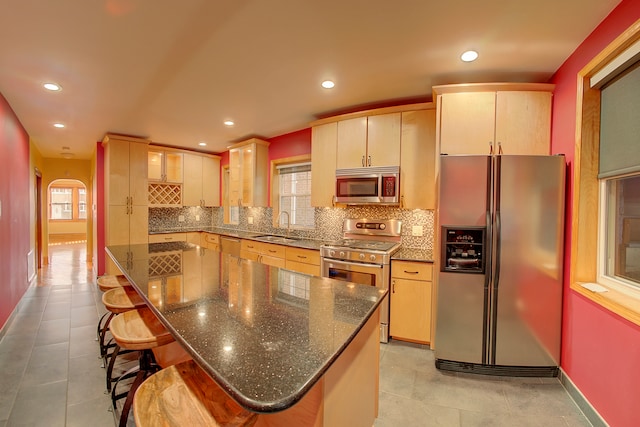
(363, 256)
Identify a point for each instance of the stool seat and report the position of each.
(139, 329)
(111, 281)
(124, 298)
(184, 395)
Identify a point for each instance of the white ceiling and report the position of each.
(174, 70)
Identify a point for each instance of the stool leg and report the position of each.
(102, 332)
(147, 367)
(112, 362)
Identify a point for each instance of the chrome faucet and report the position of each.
(288, 221)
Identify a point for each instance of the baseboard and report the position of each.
(589, 411)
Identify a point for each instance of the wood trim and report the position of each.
(127, 138)
(584, 243)
(249, 141)
(172, 149)
(492, 87)
(375, 112)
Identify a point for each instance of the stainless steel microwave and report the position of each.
(364, 186)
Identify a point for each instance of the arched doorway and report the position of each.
(67, 214)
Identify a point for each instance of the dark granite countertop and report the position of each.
(251, 235)
(413, 254)
(264, 334)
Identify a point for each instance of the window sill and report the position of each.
(624, 304)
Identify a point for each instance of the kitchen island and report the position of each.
(298, 349)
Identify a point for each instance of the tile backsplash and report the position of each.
(328, 221)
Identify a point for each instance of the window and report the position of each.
(619, 177)
(68, 202)
(61, 203)
(295, 195)
(621, 229)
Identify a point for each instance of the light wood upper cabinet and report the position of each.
(324, 143)
(125, 177)
(476, 118)
(248, 170)
(201, 180)
(164, 166)
(369, 141)
(418, 160)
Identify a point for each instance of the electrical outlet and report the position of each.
(416, 230)
(181, 218)
(197, 217)
(250, 219)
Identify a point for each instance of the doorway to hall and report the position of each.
(66, 215)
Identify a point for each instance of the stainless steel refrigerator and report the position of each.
(499, 303)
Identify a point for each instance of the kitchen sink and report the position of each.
(275, 239)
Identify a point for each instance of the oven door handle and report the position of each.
(349, 265)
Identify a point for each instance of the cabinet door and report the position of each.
(138, 225)
(235, 184)
(383, 140)
(138, 181)
(324, 140)
(467, 122)
(117, 172)
(247, 173)
(410, 312)
(118, 225)
(418, 160)
(352, 143)
(154, 165)
(173, 167)
(192, 186)
(211, 181)
(523, 122)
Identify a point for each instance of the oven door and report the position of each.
(366, 274)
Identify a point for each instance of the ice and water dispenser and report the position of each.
(463, 249)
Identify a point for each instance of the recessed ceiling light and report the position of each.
(470, 55)
(52, 87)
(58, 125)
(328, 84)
(228, 123)
(202, 143)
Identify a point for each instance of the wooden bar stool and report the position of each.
(184, 395)
(116, 301)
(140, 330)
(110, 282)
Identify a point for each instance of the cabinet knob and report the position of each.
(369, 161)
(362, 161)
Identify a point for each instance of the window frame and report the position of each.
(75, 201)
(275, 187)
(586, 234)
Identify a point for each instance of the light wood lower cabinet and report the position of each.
(266, 253)
(410, 313)
(305, 261)
(210, 241)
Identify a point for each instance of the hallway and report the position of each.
(49, 360)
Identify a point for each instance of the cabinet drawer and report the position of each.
(302, 267)
(412, 270)
(211, 238)
(250, 246)
(271, 250)
(307, 256)
(168, 237)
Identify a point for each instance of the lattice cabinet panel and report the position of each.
(165, 194)
(165, 264)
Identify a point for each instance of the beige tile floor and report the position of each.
(51, 375)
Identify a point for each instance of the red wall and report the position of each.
(600, 350)
(15, 218)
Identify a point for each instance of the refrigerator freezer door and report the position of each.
(530, 212)
(461, 315)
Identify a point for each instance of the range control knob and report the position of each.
(361, 256)
(372, 257)
(382, 226)
(342, 254)
(332, 253)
